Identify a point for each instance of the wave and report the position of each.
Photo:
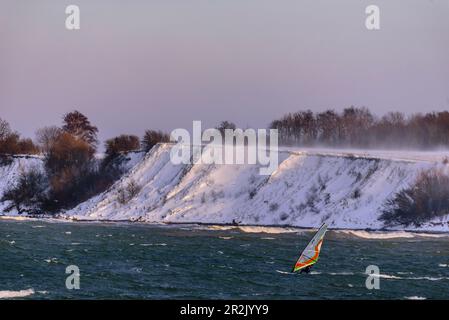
(341, 273)
(253, 229)
(428, 278)
(272, 230)
(385, 276)
(17, 218)
(16, 294)
(389, 276)
(51, 260)
(389, 234)
(415, 298)
(283, 272)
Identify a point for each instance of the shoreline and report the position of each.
(216, 224)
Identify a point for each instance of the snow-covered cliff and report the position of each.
(11, 171)
(346, 190)
(308, 188)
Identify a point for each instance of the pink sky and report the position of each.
(161, 64)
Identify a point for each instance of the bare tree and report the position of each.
(47, 136)
(5, 129)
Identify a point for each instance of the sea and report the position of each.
(50, 259)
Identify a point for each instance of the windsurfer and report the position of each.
(309, 255)
(306, 269)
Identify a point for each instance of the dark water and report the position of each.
(132, 261)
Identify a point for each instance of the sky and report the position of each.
(159, 64)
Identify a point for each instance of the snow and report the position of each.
(23, 163)
(10, 173)
(311, 186)
(347, 189)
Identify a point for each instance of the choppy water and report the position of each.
(136, 261)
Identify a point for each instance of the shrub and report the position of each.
(27, 146)
(11, 143)
(27, 194)
(69, 164)
(252, 193)
(152, 137)
(356, 194)
(225, 125)
(5, 160)
(132, 189)
(283, 216)
(426, 199)
(122, 143)
(273, 206)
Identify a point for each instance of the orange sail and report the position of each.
(311, 253)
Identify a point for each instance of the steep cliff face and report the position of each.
(308, 188)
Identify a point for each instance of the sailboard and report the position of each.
(311, 253)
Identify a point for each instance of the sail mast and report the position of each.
(310, 254)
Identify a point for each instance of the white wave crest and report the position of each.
(252, 229)
(389, 234)
(283, 272)
(428, 278)
(389, 276)
(272, 230)
(16, 294)
(415, 298)
(17, 218)
(385, 276)
(153, 244)
(341, 273)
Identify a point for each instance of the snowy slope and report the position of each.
(9, 173)
(156, 176)
(308, 188)
(23, 163)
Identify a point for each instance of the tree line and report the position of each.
(358, 127)
(72, 173)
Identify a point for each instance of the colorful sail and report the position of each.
(311, 253)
